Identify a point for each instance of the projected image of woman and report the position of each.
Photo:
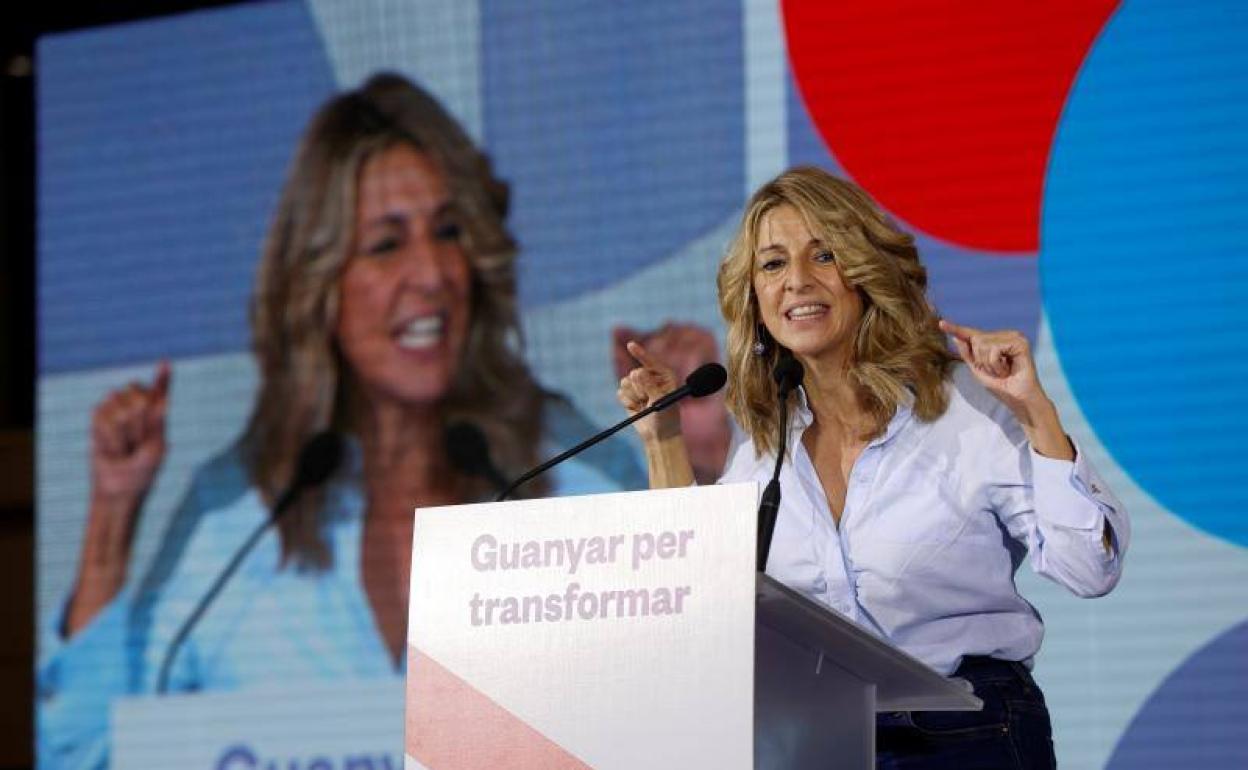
(913, 485)
(384, 309)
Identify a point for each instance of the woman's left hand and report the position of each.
(1002, 362)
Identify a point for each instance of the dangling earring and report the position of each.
(760, 341)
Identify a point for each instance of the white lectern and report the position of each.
(631, 631)
(611, 631)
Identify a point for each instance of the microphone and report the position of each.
(787, 375)
(318, 459)
(703, 381)
(469, 452)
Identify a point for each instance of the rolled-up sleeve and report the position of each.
(1061, 511)
(77, 680)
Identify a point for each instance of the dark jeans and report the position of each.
(1012, 731)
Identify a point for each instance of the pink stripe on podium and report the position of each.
(453, 726)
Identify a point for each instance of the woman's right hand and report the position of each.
(644, 385)
(704, 422)
(127, 449)
(667, 458)
(128, 440)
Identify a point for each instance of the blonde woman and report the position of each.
(384, 309)
(914, 484)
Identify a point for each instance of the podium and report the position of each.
(820, 680)
(631, 630)
(611, 631)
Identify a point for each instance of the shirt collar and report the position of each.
(802, 418)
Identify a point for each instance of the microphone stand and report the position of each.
(703, 381)
(317, 460)
(787, 375)
(769, 507)
(586, 444)
(162, 680)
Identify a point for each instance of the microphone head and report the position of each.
(318, 459)
(788, 374)
(469, 452)
(467, 448)
(706, 379)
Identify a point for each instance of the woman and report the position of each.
(912, 486)
(384, 310)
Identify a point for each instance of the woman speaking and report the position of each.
(384, 310)
(914, 485)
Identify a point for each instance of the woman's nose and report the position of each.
(797, 276)
(422, 264)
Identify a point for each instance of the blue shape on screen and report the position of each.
(1144, 252)
(976, 288)
(162, 146)
(620, 127)
(1196, 717)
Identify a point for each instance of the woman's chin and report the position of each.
(412, 388)
(805, 344)
(814, 350)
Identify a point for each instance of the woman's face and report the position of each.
(403, 307)
(802, 298)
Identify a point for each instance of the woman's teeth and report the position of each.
(806, 311)
(421, 333)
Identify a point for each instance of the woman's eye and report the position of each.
(771, 265)
(384, 245)
(449, 231)
(825, 257)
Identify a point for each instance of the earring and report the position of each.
(759, 348)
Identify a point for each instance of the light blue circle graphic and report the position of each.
(1144, 253)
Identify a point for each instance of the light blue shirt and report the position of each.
(938, 517)
(269, 626)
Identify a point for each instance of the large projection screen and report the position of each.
(1075, 170)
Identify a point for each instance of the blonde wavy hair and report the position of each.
(305, 384)
(898, 353)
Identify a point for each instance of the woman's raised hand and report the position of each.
(704, 422)
(127, 449)
(667, 457)
(1002, 362)
(128, 439)
(644, 385)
